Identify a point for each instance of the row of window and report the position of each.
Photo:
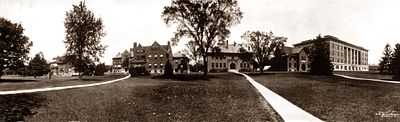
(155, 66)
(351, 68)
(221, 57)
(155, 71)
(155, 56)
(244, 65)
(216, 65)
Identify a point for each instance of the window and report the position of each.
(295, 65)
(216, 64)
(212, 65)
(290, 65)
(161, 65)
(176, 61)
(155, 56)
(160, 71)
(155, 71)
(244, 65)
(220, 64)
(224, 65)
(149, 65)
(155, 65)
(161, 56)
(241, 64)
(149, 56)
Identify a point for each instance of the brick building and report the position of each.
(153, 57)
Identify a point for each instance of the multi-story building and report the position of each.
(117, 62)
(59, 66)
(153, 57)
(229, 56)
(180, 63)
(343, 55)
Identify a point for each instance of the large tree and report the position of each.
(395, 63)
(38, 66)
(83, 35)
(14, 45)
(263, 45)
(206, 22)
(384, 63)
(320, 62)
(192, 51)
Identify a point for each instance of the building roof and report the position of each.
(166, 48)
(230, 48)
(179, 54)
(60, 60)
(331, 38)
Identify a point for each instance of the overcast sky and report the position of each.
(367, 23)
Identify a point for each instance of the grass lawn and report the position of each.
(18, 83)
(369, 75)
(333, 98)
(226, 97)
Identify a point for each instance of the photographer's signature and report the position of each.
(389, 113)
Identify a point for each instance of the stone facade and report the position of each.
(228, 57)
(343, 55)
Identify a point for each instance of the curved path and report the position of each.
(376, 80)
(60, 88)
(287, 110)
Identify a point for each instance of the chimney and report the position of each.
(234, 43)
(134, 45)
(168, 43)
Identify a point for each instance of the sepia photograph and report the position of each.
(199, 60)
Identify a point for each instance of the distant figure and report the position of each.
(50, 73)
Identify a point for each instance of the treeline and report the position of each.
(390, 62)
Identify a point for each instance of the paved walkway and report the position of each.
(287, 110)
(60, 88)
(376, 80)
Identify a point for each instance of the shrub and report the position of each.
(244, 70)
(168, 70)
(138, 71)
(219, 70)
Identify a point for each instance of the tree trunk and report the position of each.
(261, 69)
(205, 65)
(80, 76)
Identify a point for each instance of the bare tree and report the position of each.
(204, 21)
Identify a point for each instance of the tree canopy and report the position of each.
(395, 62)
(206, 22)
(14, 45)
(83, 35)
(384, 64)
(38, 66)
(320, 62)
(263, 45)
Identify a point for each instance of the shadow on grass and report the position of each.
(17, 107)
(186, 77)
(15, 80)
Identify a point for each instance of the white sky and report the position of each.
(367, 23)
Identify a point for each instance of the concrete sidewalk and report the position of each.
(287, 110)
(376, 80)
(59, 88)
